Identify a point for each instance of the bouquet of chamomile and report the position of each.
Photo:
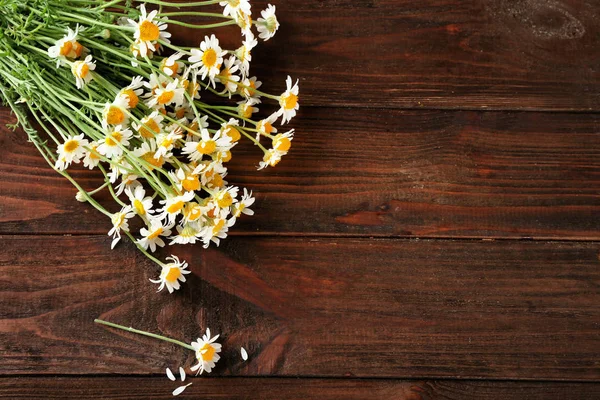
(99, 84)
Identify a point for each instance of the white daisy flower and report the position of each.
(111, 145)
(268, 24)
(207, 145)
(148, 32)
(115, 113)
(151, 236)
(67, 47)
(193, 211)
(171, 66)
(271, 158)
(227, 76)
(207, 353)
(224, 198)
(166, 142)
(230, 129)
(242, 207)
(283, 141)
(173, 93)
(72, 150)
(289, 101)
(208, 58)
(149, 126)
(233, 7)
(265, 127)
(141, 204)
(244, 21)
(189, 233)
(186, 179)
(244, 54)
(173, 206)
(91, 159)
(133, 91)
(171, 274)
(147, 152)
(249, 86)
(246, 107)
(128, 181)
(218, 231)
(119, 221)
(82, 70)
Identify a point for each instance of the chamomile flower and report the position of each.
(224, 198)
(128, 181)
(151, 236)
(115, 139)
(72, 150)
(82, 70)
(173, 93)
(233, 7)
(149, 126)
(265, 127)
(171, 66)
(165, 142)
(171, 274)
(133, 91)
(147, 151)
(244, 21)
(230, 129)
(242, 207)
(186, 179)
(282, 142)
(208, 58)
(140, 204)
(173, 206)
(244, 54)
(246, 107)
(120, 223)
(249, 88)
(189, 233)
(289, 101)
(91, 158)
(268, 24)
(148, 31)
(217, 231)
(207, 353)
(67, 47)
(115, 113)
(271, 158)
(227, 75)
(207, 145)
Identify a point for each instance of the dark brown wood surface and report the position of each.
(434, 233)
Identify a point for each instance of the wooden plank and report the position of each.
(301, 307)
(478, 54)
(379, 173)
(80, 388)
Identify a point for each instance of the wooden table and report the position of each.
(434, 233)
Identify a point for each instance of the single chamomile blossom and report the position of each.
(67, 47)
(218, 231)
(249, 86)
(133, 91)
(227, 76)
(173, 93)
(189, 233)
(92, 158)
(268, 24)
(230, 129)
(72, 150)
(289, 101)
(115, 113)
(82, 70)
(186, 179)
(208, 58)
(171, 274)
(246, 107)
(128, 181)
(146, 152)
(207, 145)
(242, 207)
(224, 198)
(283, 141)
(151, 236)
(149, 126)
(120, 223)
(207, 353)
(171, 66)
(148, 31)
(141, 204)
(166, 142)
(233, 7)
(244, 21)
(173, 206)
(265, 127)
(271, 158)
(115, 139)
(244, 54)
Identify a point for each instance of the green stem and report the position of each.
(139, 332)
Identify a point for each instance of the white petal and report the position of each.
(182, 373)
(244, 354)
(180, 390)
(170, 375)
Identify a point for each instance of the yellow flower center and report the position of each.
(239, 210)
(132, 98)
(149, 31)
(282, 143)
(65, 49)
(139, 207)
(225, 200)
(268, 158)
(207, 147)
(156, 162)
(246, 111)
(218, 226)
(192, 211)
(83, 70)
(172, 274)
(78, 49)
(209, 58)
(175, 207)
(191, 183)
(156, 233)
(233, 133)
(71, 145)
(113, 139)
(209, 352)
(165, 97)
(226, 157)
(217, 181)
(289, 102)
(115, 116)
(149, 128)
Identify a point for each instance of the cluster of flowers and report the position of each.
(159, 140)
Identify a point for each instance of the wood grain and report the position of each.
(345, 307)
(82, 388)
(477, 54)
(377, 173)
